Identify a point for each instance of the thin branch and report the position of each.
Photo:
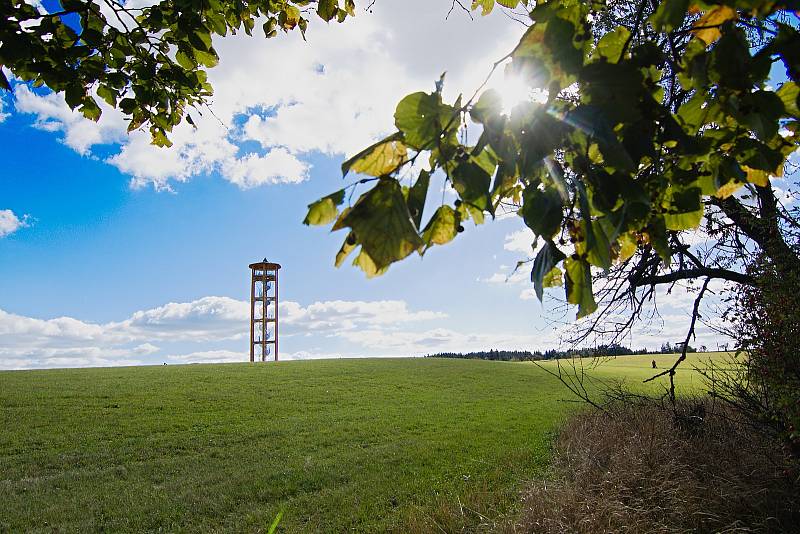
(689, 334)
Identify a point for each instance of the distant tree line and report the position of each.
(612, 349)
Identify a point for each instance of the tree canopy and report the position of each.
(652, 118)
(147, 61)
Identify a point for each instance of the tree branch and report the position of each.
(685, 274)
(671, 370)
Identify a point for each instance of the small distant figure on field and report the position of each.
(654, 365)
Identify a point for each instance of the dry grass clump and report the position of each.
(646, 469)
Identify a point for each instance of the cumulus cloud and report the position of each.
(520, 241)
(439, 340)
(286, 99)
(11, 222)
(53, 115)
(3, 114)
(202, 320)
(31, 342)
(208, 356)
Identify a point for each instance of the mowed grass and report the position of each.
(337, 445)
(632, 371)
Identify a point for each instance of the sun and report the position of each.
(513, 90)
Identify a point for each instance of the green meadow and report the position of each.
(335, 445)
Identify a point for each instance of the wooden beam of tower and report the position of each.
(252, 314)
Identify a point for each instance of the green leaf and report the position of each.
(381, 158)
(107, 94)
(684, 209)
(669, 15)
(270, 27)
(544, 266)
(90, 109)
(611, 44)
(417, 195)
(542, 211)
(472, 182)
(766, 110)
(422, 118)
(488, 105)
(579, 286)
(327, 9)
(789, 93)
(184, 60)
(382, 224)
(443, 226)
(159, 137)
(324, 210)
(207, 59)
(597, 244)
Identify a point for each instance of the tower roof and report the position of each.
(264, 264)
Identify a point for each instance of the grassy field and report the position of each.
(337, 445)
(631, 371)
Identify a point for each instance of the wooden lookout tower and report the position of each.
(263, 310)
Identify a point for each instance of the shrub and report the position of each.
(645, 468)
(767, 319)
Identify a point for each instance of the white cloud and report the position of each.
(520, 241)
(209, 356)
(3, 114)
(410, 343)
(202, 320)
(346, 315)
(10, 222)
(53, 115)
(332, 95)
(31, 342)
(277, 166)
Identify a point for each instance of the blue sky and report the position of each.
(116, 252)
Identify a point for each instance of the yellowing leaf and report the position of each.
(627, 246)
(707, 27)
(443, 226)
(789, 93)
(683, 221)
(756, 176)
(553, 279)
(347, 247)
(381, 158)
(367, 265)
(728, 189)
(324, 210)
(382, 226)
(485, 5)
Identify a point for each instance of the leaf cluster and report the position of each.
(148, 62)
(642, 125)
